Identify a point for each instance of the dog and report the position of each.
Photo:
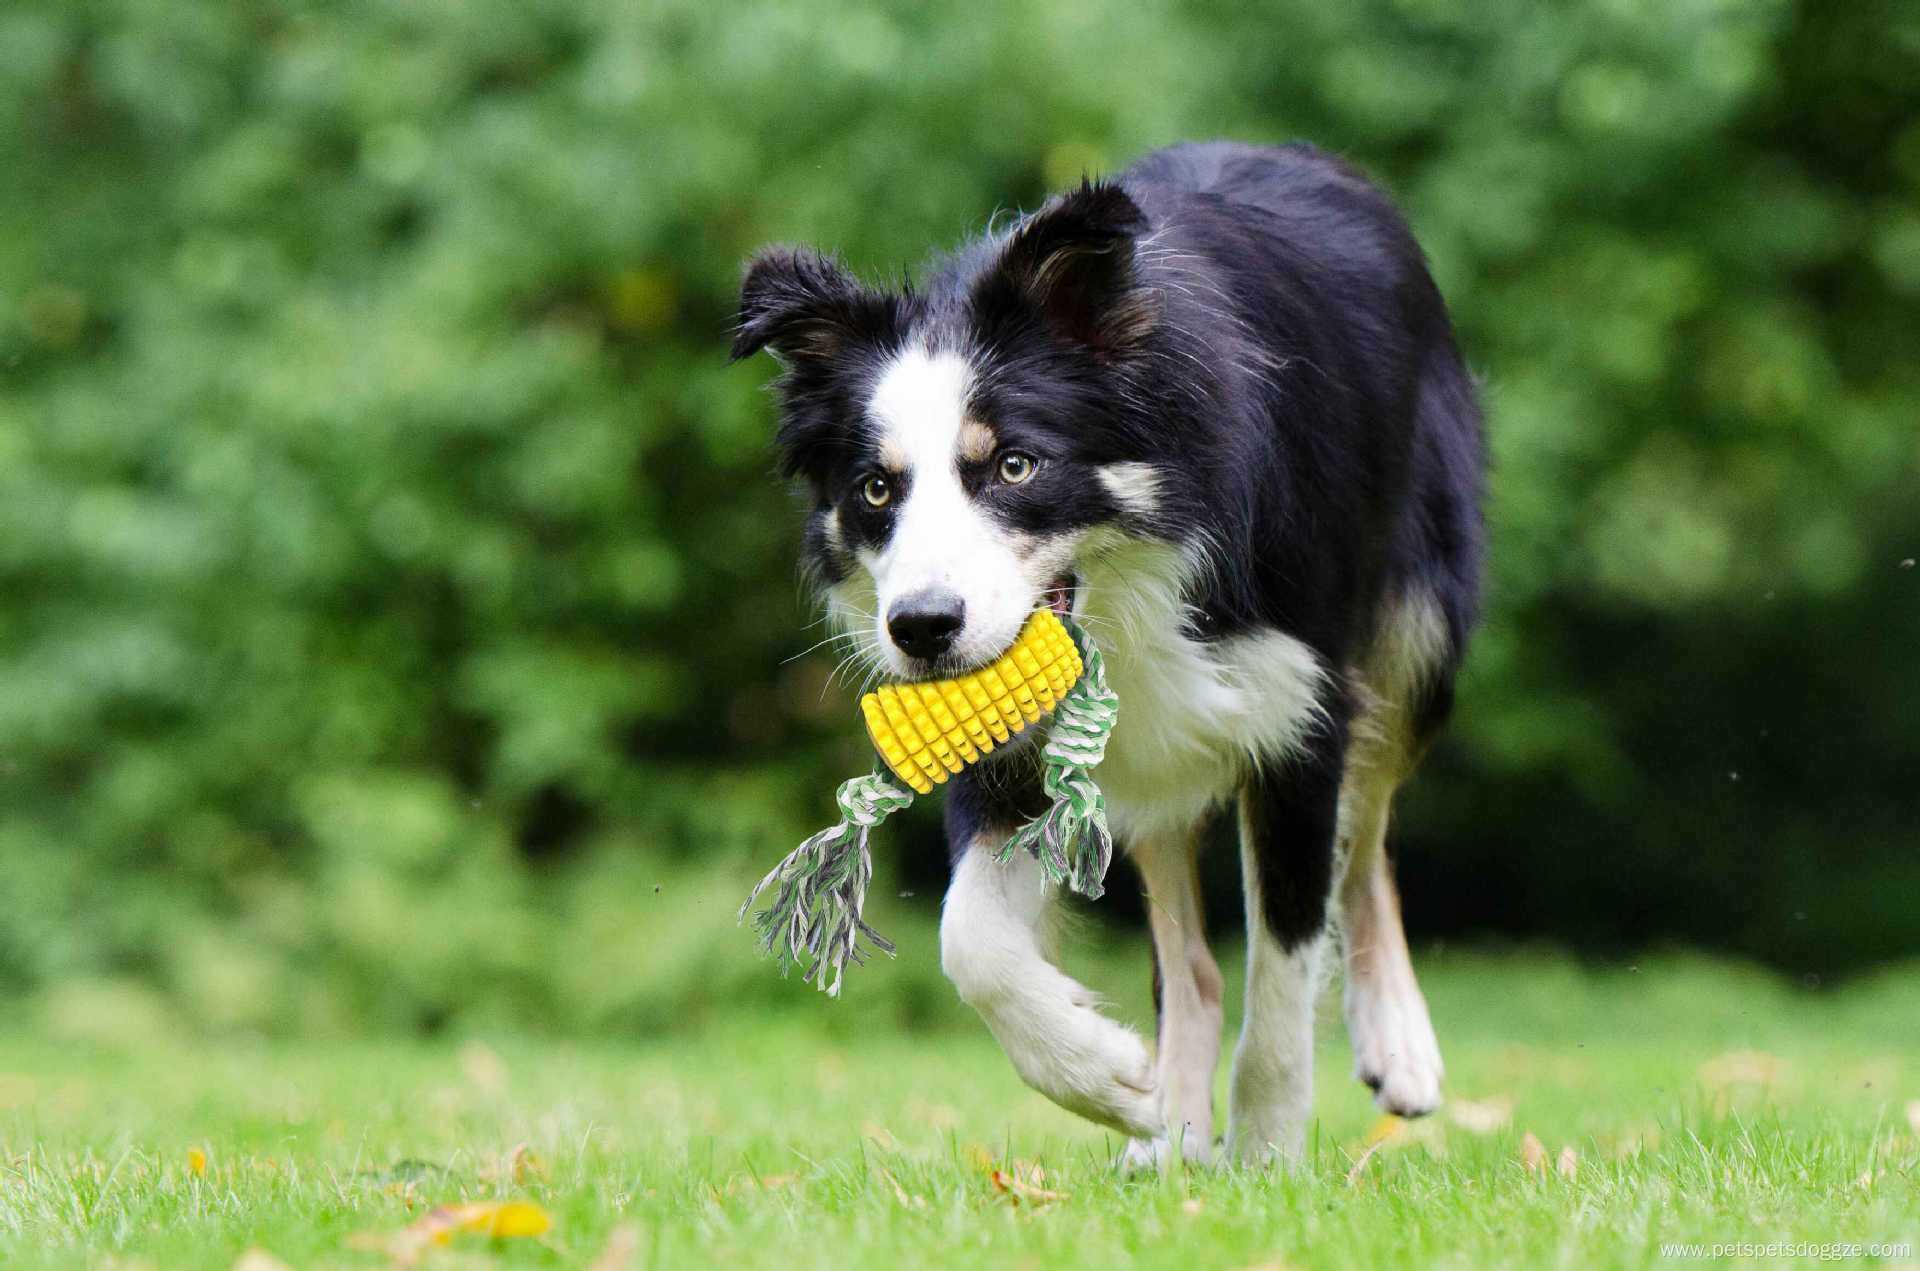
(1213, 410)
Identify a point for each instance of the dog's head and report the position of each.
(961, 444)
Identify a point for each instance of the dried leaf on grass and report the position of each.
(519, 1167)
(938, 1115)
(483, 1068)
(402, 1180)
(1023, 1182)
(1534, 1157)
(1742, 1068)
(623, 1242)
(740, 1184)
(1387, 1129)
(1395, 1132)
(1483, 1116)
(496, 1220)
(257, 1259)
(525, 1164)
(1633, 1140)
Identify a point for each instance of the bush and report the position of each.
(397, 582)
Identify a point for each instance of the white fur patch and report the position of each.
(1411, 645)
(920, 402)
(1412, 642)
(1194, 716)
(1134, 486)
(992, 948)
(1271, 1095)
(941, 539)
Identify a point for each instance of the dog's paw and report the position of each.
(1395, 1053)
(1090, 1065)
(1141, 1156)
(1144, 1154)
(1115, 1080)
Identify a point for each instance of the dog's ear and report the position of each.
(799, 303)
(1074, 262)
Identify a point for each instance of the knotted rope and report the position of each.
(820, 889)
(1070, 839)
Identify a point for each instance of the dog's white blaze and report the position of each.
(941, 538)
(1194, 716)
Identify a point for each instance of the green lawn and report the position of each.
(1700, 1102)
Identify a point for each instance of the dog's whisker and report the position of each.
(818, 644)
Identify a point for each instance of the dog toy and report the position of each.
(923, 734)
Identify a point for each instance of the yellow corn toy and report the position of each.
(928, 731)
(925, 733)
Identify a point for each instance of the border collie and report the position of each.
(1213, 409)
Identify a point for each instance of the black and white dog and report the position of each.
(1214, 410)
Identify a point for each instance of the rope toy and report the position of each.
(924, 733)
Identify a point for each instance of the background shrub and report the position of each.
(397, 594)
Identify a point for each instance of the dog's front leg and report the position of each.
(994, 947)
(1186, 994)
(1288, 814)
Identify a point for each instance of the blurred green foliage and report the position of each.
(399, 621)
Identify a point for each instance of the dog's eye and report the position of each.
(876, 492)
(1016, 467)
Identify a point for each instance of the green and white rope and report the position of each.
(820, 889)
(1071, 839)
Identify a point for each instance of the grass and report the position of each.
(1700, 1102)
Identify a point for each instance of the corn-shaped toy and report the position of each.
(928, 731)
(924, 733)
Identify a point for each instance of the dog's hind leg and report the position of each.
(993, 946)
(1394, 1049)
(1186, 997)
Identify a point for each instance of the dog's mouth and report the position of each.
(1058, 596)
(1060, 593)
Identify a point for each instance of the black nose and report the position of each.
(924, 624)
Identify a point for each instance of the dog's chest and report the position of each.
(1194, 715)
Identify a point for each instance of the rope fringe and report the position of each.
(820, 890)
